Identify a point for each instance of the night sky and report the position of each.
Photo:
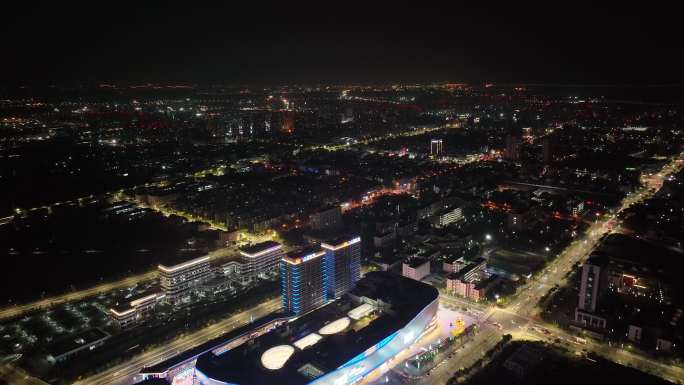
(122, 41)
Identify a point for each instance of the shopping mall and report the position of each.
(340, 343)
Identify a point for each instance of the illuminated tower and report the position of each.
(342, 265)
(436, 147)
(302, 278)
(593, 285)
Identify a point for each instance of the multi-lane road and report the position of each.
(519, 317)
(18, 310)
(516, 316)
(122, 374)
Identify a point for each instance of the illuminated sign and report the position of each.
(341, 245)
(306, 258)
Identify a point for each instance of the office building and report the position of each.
(179, 280)
(342, 265)
(303, 281)
(260, 260)
(384, 240)
(135, 309)
(436, 147)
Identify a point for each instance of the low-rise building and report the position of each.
(454, 264)
(178, 280)
(381, 241)
(65, 348)
(231, 269)
(260, 260)
(471, 281)
(416, 268)
(327, 218)
(387, 262)
(447, 217)
(130, 312)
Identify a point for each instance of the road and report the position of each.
(519, 313)
(499, 321)
(520, 316)
(18, 310)
(402, 134)
(122, 374)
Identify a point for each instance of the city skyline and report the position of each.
(341, 194)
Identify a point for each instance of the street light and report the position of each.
(488, 237)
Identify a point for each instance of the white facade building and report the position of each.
(177, 281)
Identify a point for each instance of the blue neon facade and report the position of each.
(358, 367)
(290, 287)
(351, 356)
(310, 280)
(342, 267)
(372, 358)
(302, 283)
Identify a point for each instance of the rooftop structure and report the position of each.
(327, 345)
(416, 268)
(327, 218)
(64, 349)
(180, 364)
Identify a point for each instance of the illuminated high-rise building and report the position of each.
(311, 278)
(592, 286)
(342, 265)
(302, 277)
(436, 147)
